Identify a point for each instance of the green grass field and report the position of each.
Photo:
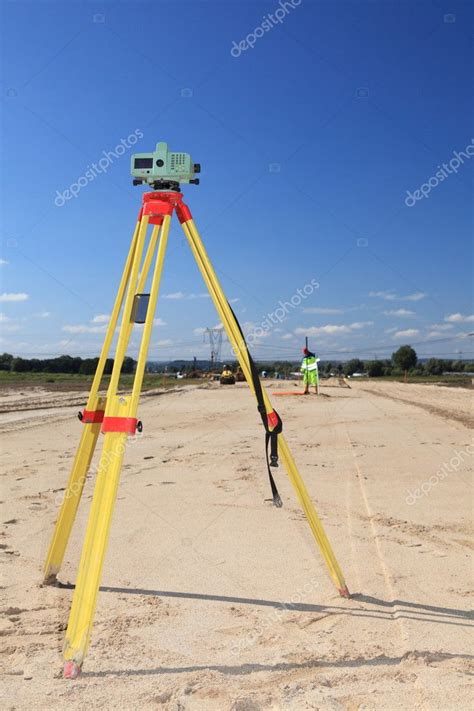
(66, 382)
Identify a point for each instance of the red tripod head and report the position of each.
(158, 204)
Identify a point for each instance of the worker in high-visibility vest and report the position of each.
(309, 368)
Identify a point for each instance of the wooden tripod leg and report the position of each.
(120, 410)
(85, 593)
(88, 440)
(240, 349)
(71, 498)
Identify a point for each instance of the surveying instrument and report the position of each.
(116, 415)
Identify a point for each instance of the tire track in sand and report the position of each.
(397, 611)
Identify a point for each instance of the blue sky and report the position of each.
(315, 123)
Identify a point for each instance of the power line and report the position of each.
(268, 349)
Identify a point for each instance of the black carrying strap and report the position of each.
(273, 463)
(271, 436)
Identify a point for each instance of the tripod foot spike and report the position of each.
(71, 670)
(344, 592)
(50, 579)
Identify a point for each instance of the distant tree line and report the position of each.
(61, 364)
(404, 360)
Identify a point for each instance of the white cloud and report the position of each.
(163, 343)
(69, 343)
(231, 301)
(175, 295)
(316, 330)
(3, 262)
(386, 295)
(101, 318)
(7, 324)
(435, 334)
(201, 330)
(15, 346)
(321, 310)
(84, 329)
(360, 324)
(417, 296)
(463, 334)
(399, 312)
(442, 326)
(156, 322)
(21, 296)
(408, 333)
(390, 330)
(178, 295)
(459, 318)
(392, 296)
(332, 328)
(287, 337)
(42, 314)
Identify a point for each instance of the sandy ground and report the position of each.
(212, 598)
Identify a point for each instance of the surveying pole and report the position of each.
(116, 415)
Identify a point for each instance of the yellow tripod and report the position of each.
(116, 416)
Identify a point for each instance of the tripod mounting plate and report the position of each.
(170, 185)
(158, 204)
